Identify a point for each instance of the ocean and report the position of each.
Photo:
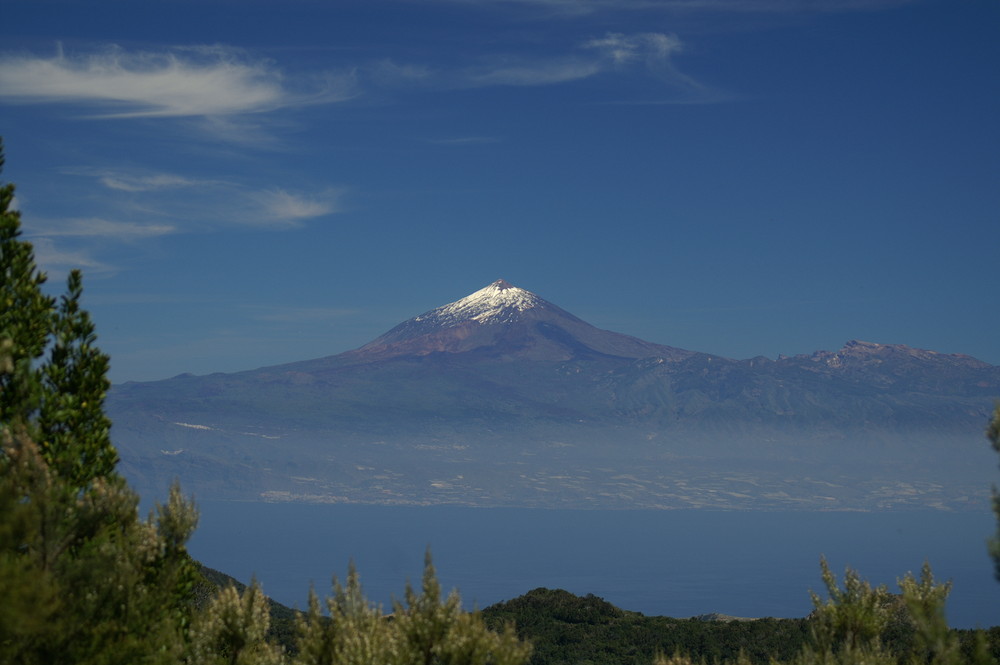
(675, 563)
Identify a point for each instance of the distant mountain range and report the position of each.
(504, 399)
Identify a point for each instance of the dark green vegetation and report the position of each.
(565, 628)
(539, 409)
(85, 580)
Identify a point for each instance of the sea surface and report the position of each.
(676, 563)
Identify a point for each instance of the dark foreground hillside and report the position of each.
(568, 629)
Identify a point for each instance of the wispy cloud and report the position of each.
(127, 183)
(389, 73)
(654, 51)
(279, 207)
(68, 243)
(103, 228)
(242, 131)
(172, 203)
(57, 261)
(651, 47)
(648, 52)
(202, 81)
(532, 71)
(578, 7)
(139, 207)
(136, 180)
(218, 88)
(489, 71)
(763, 6)
(163, 203)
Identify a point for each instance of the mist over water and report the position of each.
(675, 563)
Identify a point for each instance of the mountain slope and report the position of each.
(504, 320)
(502, 398)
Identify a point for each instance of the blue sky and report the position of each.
(254, 182)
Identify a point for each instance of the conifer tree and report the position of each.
(435, 631)
(232, 630)
(74, 432)
(25, 316)
(423, 630)
(851, 619)
(82, 577)
(58, 400)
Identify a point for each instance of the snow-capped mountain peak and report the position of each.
(497, 303)
(504, 320)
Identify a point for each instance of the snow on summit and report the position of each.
(497, 303)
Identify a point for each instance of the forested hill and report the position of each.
(565, 628)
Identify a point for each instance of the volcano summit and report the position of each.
(502, 319)
(504, 399)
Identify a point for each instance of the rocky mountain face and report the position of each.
(502, 398)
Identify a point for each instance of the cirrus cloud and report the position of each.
(144, 183)
(533, 72)
(56, 261)
(652, 47)
(650, 52)
(281, 208)
(215, 203)
(99, 227)
(199, 81)
(579, 7)
(140, 207)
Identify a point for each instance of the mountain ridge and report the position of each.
(502, 398)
